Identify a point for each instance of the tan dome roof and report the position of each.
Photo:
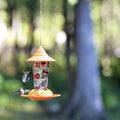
(40, 55)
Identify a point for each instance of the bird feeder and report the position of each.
(41, 61)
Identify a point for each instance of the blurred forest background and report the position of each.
(20, 36)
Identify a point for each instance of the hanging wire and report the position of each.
(40, 22)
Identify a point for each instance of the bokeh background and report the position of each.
(20, 36)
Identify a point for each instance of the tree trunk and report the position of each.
(86, 96)
(68, 49)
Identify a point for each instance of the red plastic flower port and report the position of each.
(36, 76)
(43, 63)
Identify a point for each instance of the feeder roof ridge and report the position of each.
(40, 55)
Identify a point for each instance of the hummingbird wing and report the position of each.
(25, 77)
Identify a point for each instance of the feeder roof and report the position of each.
(40, 55)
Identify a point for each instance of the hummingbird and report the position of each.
(22, 91)
(25, 77)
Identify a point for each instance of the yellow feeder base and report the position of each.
(41, 94)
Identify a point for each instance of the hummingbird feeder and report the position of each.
(41, 61)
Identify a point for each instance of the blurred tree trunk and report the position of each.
(69, 34)
(86, 97)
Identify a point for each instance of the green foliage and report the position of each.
(115, 66)
(8, 84)
(72, 2)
